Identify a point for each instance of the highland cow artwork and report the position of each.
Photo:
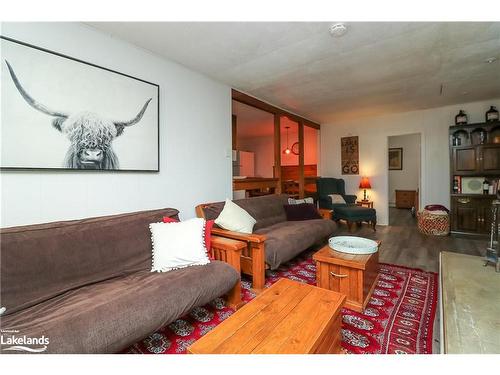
(61, 113)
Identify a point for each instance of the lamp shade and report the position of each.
(365, 183)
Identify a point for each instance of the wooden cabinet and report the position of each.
(352, 275)
(405, 198)
(489, 157)
(471, 214)
(474, 152)
(476, 160)
(465, 160)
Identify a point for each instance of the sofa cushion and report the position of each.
(209, 224)
(300, 201)
(109, 316)
(178, 245)
(266, 210)
(337, 199)
(288, 239)
(302, 211)
(41, 261)
(235, 218)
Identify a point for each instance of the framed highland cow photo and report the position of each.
(58, 112)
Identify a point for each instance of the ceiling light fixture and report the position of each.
(287, 150)
(338, 29)
(490, 60)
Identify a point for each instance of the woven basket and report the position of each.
(433, 224)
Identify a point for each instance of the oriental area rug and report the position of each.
(398, 319)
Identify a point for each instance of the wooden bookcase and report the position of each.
(474, 152)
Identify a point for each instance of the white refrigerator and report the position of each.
(244, 163)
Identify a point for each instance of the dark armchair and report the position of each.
(329, 185)
(349, 211)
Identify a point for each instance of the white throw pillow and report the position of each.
(178, 245)
(235, 218)
(300, 201)
(337, 199)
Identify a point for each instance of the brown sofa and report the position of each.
(86, 284)
(274, 239)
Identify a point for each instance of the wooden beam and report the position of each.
(277, 152)
(234, 132)
(257, 103)
(301, 160)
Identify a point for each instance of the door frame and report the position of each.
(421, 183)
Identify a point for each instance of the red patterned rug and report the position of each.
(398, 319)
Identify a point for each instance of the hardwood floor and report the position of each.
(404, 245)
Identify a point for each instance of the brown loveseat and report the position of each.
(86, 284)
(274, 239)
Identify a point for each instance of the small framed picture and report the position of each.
(396, 159)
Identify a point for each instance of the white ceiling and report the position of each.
(375, 68)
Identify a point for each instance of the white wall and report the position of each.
(195, 139)
(373, 135)
(407, 178)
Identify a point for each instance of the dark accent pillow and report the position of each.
(302, 211)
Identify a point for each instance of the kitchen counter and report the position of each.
(258, 183)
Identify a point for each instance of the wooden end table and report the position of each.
(287, 318)
(349, 274)
(368, 204)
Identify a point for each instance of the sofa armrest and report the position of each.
(350, 199)
(229, 251)
(246, 237)
(325, 213)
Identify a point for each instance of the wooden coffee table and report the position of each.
(349, 274)
(288, 318)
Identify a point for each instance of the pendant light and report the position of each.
(287, 150)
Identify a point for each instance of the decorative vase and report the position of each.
(461, 118)
(492, 114)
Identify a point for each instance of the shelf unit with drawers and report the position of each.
(474, 152)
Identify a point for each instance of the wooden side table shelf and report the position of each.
(349, 274)
(368, 204)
